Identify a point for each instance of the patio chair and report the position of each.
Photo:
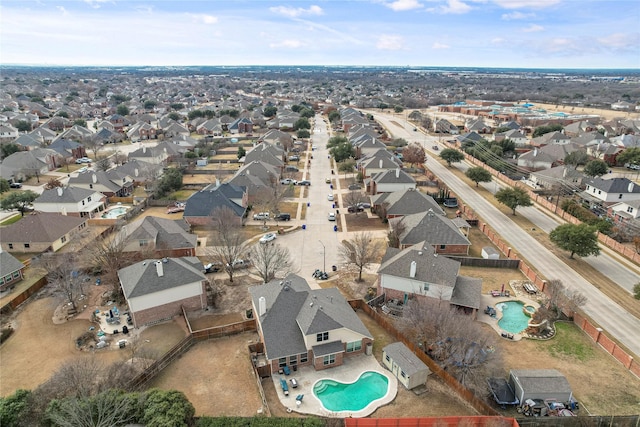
(299, 399)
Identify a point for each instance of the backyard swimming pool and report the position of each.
(115, 212)
(514, 319)
(336, 396)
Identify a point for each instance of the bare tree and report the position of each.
(60, 274)
(94, 143)
(414, 153)
(562, 299)
(103, 164)
(53, 183)
(396, 230)
(353, 197)
(454, 340)
(110, 408)
(228, 238)
(271, 260)
(360, 251)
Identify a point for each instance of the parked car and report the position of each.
(632, 166)
(319, 274)
(239, 263)
(353, 209)
(212, 267)
(290, 168)
(288, 181)
(435, 147)
(15, 185)
(327, 180)
(282, 217)
(331, 216)
(261, 216)
(269, 237)
(364, 205)
(304, 182)
(83, 160)
(354, 187)
(294, 158)
(330, 197)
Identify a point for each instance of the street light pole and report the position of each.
(324, 251)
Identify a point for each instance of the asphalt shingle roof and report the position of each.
(430, 267)
(167, 233)
(406, 360)
(142, 278)
(40, 227)
(205, 202)
(9, 264)
(435, 229)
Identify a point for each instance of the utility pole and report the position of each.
(324, 252)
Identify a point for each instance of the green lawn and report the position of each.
(11, 220)
(570, 342)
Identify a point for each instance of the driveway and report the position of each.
(619, 323)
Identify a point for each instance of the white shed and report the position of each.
(405, 365)
(490, 253)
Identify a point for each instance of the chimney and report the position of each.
(412, 269)
(59, 189)
(398, 173)
(380, 164)
(262, 306)
(159, 269)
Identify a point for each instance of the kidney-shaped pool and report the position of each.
(337, 396)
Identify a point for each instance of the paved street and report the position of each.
(609, 315)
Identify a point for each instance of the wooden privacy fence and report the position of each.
(22, 297)
(455, 421)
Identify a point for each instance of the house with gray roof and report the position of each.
(546, 157)
(436, 229)
(418, 271)
(610, 191)
(404, 202)
(266, 153)
(378, 161)
(165, 237)
(300, 326)
(113, 182)
(559, 177)
(554, 137)
(24, 164)
(73, 201)
(39, 232)
(202, 205)
(389, 181)
(11, 270)
(158, 289)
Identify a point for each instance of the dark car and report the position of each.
(283, 217)
(364, 205)
(354, 187)
(15, 185)
(212, 267)
(353, 209)
(304, 182)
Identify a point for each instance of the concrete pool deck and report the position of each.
(350, 371)
(488, 300)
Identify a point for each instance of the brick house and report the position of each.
(166, 237)
(158, 289)
(436, 229)
(41, 232)
(11, 270)
(300, 326)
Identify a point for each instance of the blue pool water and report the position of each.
(513, 319)
(337, 396)
(115, 212)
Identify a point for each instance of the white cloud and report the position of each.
(96, 3)
(513, 16)
(294, 12)
(291, 44)
(390, 42)
(401, 5)
(533, 28)
(621, 41)
(455, 7)
(526, 4)
(437, 45)
(205, 19)
(497, 40)
(63, 10)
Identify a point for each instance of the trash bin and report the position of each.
(337, 212)
(333, 205)
(304, 226)
(308, 204)
(335, 228)
(334, 267)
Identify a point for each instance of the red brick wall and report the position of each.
(167, 311)
(320, 366)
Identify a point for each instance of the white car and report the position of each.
(331, 216)
(330, 197)
(268, 238)
(83, 160)
(261, 216)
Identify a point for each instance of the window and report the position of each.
(89, 199)
(354, 346)
(282, 362)
(16, 274)
(629, 209)
(90, 185)
(144, 242)
(403, 374)
(619, 196)
(293, 360)
(425, 287)
(443, 246)
(10, 245)
(388, 359)
(83, 203)
(329, 360)
(27, 245)
(303, 358)
(63, 239)
(323, 336)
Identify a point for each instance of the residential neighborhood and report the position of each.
(288, 239)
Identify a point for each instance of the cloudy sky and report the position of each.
(475, 33)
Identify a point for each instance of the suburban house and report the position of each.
(546, 157)
(11, 270)
(73, 201)
(241, 125)
(41, 232)
(389, 181)
(366, 145)
(300, 326)
(142, 173)
(378, 161)
(153, 155)
(165, 237)
(439, 231)
(514, 135)
(110, 183)
(202, 205)
(403, 202)
(276, 137)
(68, 149)
(8, 133)
(418, 271)
(559, 177)
(540, 384)
(610, 191)
(404, 365)
(625, 213)
(23, 164)
(266, 153)
(158, 289)
(551, 138)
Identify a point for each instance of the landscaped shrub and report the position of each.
(5, 334)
